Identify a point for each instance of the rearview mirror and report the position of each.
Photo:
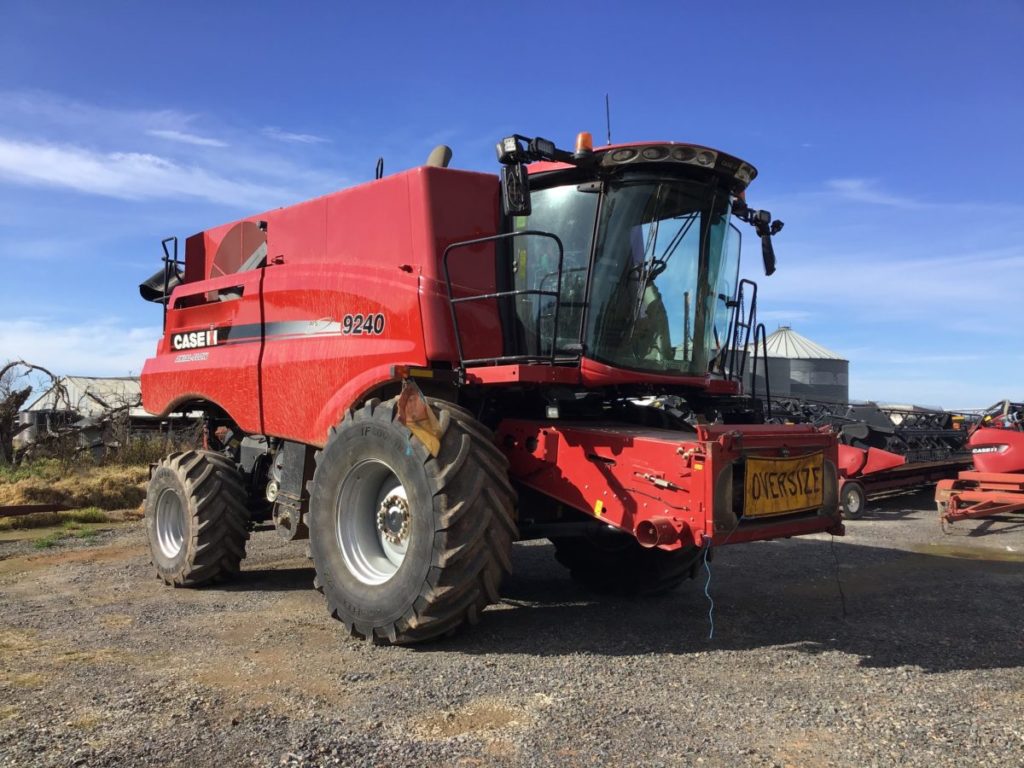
(768, 254)
(515, 190)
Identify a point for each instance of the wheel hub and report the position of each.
(171, 523)
(393, 519)
(374, 522)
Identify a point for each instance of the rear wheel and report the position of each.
(408, 546)
(852, 499)
(196, 518)
(615, 562)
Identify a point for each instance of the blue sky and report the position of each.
(888, 138)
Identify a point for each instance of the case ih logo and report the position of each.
(195, 339)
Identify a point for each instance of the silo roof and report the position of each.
(789, 344)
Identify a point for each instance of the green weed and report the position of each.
(50, 540)
(70, 531)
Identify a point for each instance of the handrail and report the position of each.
(452, 300)
(760, 333)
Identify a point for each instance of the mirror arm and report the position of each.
(765, 228)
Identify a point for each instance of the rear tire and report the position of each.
(196, 518)
(853, 500)
(407, 546)
(615, 562)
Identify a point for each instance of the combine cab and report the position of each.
(996, 484)
(415, 372)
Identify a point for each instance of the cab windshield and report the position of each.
(663, 274)
(646, 276)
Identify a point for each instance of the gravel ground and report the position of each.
(101, 665)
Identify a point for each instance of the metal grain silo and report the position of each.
(798, 367)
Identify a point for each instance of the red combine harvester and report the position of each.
(996, 484)
(415, 372)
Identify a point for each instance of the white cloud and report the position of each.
(938, 288)
(867, 191)
(295, 138)
(126, 175)
(101, 348)
(41, 112)
(156, 154)
(186, 138)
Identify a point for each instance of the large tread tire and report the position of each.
(214, 519)
(617, 563)
(462, 524)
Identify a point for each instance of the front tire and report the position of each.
(408, 546)
(196, 518)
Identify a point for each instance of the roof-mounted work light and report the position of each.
(510, 150)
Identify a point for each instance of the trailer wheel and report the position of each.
(407, 546)
(615, 562)
(853, 500)
(196, 518)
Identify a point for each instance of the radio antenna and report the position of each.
(608, 117)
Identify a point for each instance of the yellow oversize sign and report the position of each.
(777, 486)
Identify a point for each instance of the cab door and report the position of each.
(214, 331)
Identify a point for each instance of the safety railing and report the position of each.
(498, 296)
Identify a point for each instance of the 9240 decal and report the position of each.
(371, 324)
(355, 324)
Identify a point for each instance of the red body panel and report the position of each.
(625, 475)
(1008, 453)
(595, 374)
(227, 374)
(367, 251)
(856, 462)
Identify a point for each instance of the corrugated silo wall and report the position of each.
(827, 380)
(778, 377)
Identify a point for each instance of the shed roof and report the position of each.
(93, 396)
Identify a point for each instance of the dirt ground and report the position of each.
(102, 665)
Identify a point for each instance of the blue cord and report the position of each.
(707, 587)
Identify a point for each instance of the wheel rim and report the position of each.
(853, 502)
(373, 522)
(170, 523)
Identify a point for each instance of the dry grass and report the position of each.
(71, 519)
(102, 487)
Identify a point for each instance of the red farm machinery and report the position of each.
(415, 372)
(884, 449)
(995, 485)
